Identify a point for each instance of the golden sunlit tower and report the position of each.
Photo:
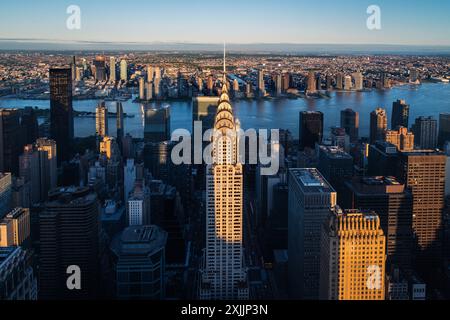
(401, 138)
(353, 257)
(223, 275)
(101, 120)
(378, 125)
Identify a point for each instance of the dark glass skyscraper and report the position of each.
(61, 111)
(350, 122)
(311, 129)
(400, 114)
(10, 140)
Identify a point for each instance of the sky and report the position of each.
(403, 22)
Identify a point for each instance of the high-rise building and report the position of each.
(149, 91)
(424, 173)
(100, 68)
(61, 112)
(16, 227)
(401, 138)
(123, 70)
(425, 130)
(278, 84)
(444, 128)
(348, 84)
(312, 83)
(101, 120)
(204, 110)
(30, 170)
(29, 125)
(17, 279)
(223, 275)
(350, 122)
(109, 147)
(378, 125)
(112, 70)
(157, 124)
(138, 206)
(150, 73)
(119, 122)
(392, 201)
(352, 257)
(11, 140)
(311, 198)
(311, 129)
(359, 81)
(5, 193)
(140, 263)
(69, 236)
(261, 84)
(400, 114)
(142, 88)
(129, 177)
(339, 81)
(49, 147)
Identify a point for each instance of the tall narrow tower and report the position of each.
(223, 275)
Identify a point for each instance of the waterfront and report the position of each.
(429, 99)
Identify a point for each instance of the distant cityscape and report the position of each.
(348, 216)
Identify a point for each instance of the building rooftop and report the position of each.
(334, 152)
(376, 185)
(311, 180)
(139, 240)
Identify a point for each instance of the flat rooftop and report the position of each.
(376, 185)
(139, 240)
(334, 152)
(311, 180)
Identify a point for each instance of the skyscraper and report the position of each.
(157, 124)
(352, 257)
(29, 125)
(142, 88)
(359, 81)
(123, 70)
(311, 198)
(350, 122)
(444, 128)
(129, 174)
(204, 110)
(49, 147)
(101, 120)
(261, 84)
(348, 84)
(392, 201)
(311, 129)
(112, 70)
(30, 171)
(69, 236)
(223, 275)
(100, 68)
(139, 253)
(61, 112)
(138, 206)
(312, 83)
(424, 173)
(401, 138)
(426, 133)
(119, 122)
(400, 114)
(11, 140)
(5, 193)
(378, 125)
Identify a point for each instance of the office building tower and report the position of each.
(350, 122)
(424, 173)
(311, 129)
(339, 81)
(69, 236)
(140, 263)
(138, 206)
(286, 81)
(100, 68)
(223, 275)
(444, 129)
(101, 120)
(48, 147)
(311, 198)
(352, 257)
(348, 84)
(112, 70)
(210, 84)
(17, 279)
(378, 125)
(124, 70)
(336, 166)
(340, 139)
(157, 88)
(61, 112)
(30, 170)
(11, 140)
(73, 66)
(15, 228)
(149, 91)
(120, 122)
(29, 125)
(261, 84)
(141, 89)
(129, 174)
(278, 84)
(204, 110)
(425, 130)
(158, 73)
(236, 86)
(400, 114)
(401, 138)
(157, 124)
(150, 73)
(393, 203)
(109, 147)
(312, 82)
(359, 81)
(157, 159)
(5, 193)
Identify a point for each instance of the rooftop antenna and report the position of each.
(224, 62)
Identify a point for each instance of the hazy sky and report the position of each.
(235, 21)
